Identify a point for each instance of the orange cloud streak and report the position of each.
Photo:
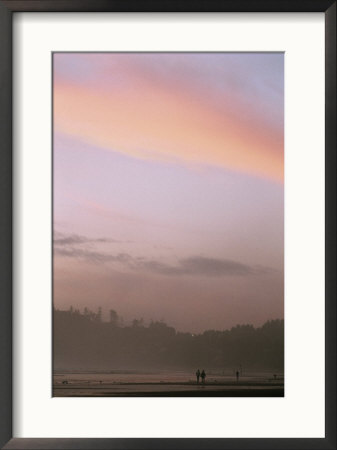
(166, 124)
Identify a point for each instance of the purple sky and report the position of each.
(168, 186)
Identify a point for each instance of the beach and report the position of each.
(164, 385)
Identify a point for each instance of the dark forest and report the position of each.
(82, 341)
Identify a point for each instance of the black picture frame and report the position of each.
(10, 7)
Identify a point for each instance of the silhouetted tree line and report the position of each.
(84, 341)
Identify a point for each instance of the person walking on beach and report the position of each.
(237, 376)
(203, 376)
(197, 373)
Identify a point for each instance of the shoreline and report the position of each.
(147, 389)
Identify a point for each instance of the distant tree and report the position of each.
(137, 323)
(113, 318)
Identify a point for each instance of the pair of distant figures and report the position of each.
(202, 375)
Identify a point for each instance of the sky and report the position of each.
(168, 186)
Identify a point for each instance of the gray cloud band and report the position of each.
(71, 247)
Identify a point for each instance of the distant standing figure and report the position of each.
(237, 373)
(203, 376)
(197, 373)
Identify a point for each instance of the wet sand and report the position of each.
(270, 388)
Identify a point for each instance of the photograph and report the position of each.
(168, 242)
(168, 224)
